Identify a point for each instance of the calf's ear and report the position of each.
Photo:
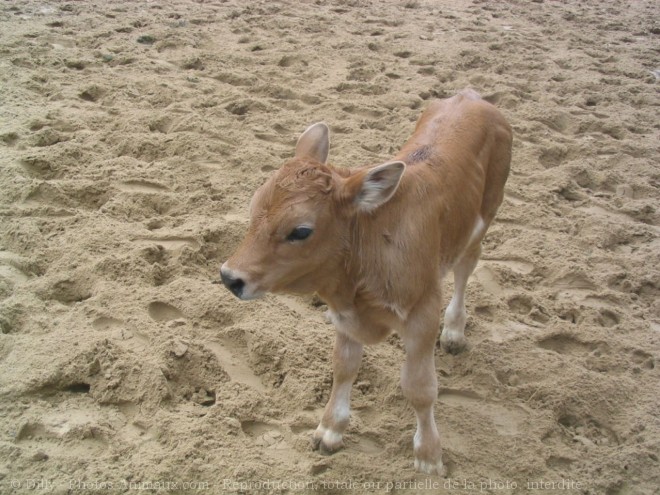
(369, 190)
(314, 143)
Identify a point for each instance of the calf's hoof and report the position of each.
(326, 441)
(430, 467)
(453, 342)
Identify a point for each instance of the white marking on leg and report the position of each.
(332, 439)
(426, 430)
(477, 230)
(429, 467)
(453, 333)
(347, 356)
(320, 431)
(455, 314)
(341, 412)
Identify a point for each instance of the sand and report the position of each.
(132, 135)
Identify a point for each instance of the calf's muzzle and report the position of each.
(234, 284)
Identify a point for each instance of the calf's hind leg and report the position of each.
(453, 332)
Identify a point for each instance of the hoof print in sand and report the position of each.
(506, 418)
(273, 440)
(171, 243)
(586, 431)
(643, 359)
(62, 434)
(263, 434)
(365, 444)
(607, 318)
(569, 345)
(12, 273)
(598, 356)
(106, 323)
(69, 290)
(164, 312)
(231, 357)
(141, 186)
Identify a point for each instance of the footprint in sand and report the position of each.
(214, 166)
(9, 268)
(509, 330)
(69, 290)
(119, 332)
(40, 166)
(10, 138)
(598, 356)
(234, 79)
(486, 273)
(13, 274)
(558, 121)
(47, 137)
(559, 463)
(275, 441)
(173, 243)
(66, 195)
(572, 285)
(515, 265)
(366, 444)
(264, 434)
(514, 198)
(643, 359)
(161, 312)
(488, 280)
(607, 318)
(585, 430)
(520, 304)
(75, 432)
(232, 358)
(596, 212)
(141, 186)
(136, 429)
(577, 289)
(568, 345)
(553, 156)
(306, 422)
(106, 323)
(506, 419)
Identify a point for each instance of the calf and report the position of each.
(375, 242)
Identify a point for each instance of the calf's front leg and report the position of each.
(420, 385)
(346, 362)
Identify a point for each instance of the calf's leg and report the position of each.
(346, 362)
(420, 385)
(453, 332)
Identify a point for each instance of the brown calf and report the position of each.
(375, 242)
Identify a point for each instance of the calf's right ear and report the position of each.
(314, 143)
(372, 188)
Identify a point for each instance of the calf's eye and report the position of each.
(299, 234)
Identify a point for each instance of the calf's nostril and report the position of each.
(235, 285)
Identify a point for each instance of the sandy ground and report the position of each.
(132, 135)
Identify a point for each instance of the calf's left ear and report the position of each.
(377, 186)
(314, 143)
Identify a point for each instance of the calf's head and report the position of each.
(300, 220)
